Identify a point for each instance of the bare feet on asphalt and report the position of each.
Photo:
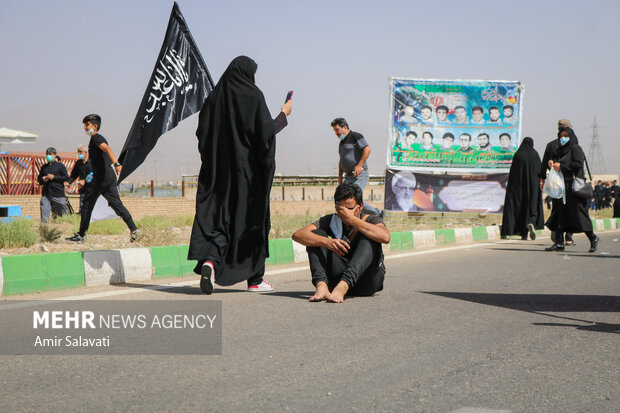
(321, 293)
(337, 295)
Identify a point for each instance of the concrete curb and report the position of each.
(22, 274)
(102, 267)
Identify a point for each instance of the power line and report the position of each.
(596, 153)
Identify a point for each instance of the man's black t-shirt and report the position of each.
(80, 170)
(351, 149)
(100, 162)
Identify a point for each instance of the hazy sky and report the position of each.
(63, 59)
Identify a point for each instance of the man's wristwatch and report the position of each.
(117, 163)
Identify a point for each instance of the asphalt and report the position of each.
(504, 326)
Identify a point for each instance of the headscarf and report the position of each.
(563, 150)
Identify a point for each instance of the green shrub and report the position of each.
(17, 234)
(49, 233)
(153, 237)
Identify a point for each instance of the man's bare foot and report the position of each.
(321, 293)
(337, 295)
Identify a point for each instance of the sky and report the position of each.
(61, 60)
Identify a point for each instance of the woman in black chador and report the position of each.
(523, 208)
(565, 154)
(236, 140)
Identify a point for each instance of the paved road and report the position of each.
(504, 327)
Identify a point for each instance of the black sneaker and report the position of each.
(555, 247)
(76, 238)
(135, 235)
(207, 279)
(594, 243)
(532, 232)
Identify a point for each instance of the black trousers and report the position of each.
(362, 267)
(559, 236)
(110, 193)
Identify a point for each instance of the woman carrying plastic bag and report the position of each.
(566, 159)
(554, 185)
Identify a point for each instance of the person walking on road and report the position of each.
(523, 207)
(237, 145)
(564, 154)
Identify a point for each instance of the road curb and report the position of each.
(23, 274)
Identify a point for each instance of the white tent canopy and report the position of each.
(15, 136)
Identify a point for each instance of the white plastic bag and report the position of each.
(554, 185)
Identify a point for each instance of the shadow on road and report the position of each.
(600, 327)
(541, 249)
(304, 295)
(542, 303)
(185, 290)
(594, 255)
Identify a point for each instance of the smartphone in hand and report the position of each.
(289, 96)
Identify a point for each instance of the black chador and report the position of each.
(571, 216)
(523, 202)
(236, 140)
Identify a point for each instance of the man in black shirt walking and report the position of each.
(103, 180)
(52, 176)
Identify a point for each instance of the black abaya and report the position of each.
(523, 202)
(574, 215)
(236, 140)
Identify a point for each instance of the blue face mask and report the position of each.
(49, 158)
(81, 156)
(564, 140)
(341, 137)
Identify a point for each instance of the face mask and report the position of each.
(90, 132)
(564, 140)
(49, 158)
(341, 137)
(81, 156)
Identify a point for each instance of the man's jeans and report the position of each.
(362, 180)
(362, 267)
(49, 204)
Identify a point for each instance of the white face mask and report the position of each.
(90, 132)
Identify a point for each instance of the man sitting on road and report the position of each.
(344, 249)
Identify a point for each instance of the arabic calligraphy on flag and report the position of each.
(178, 87)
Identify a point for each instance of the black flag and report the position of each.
(178, 87)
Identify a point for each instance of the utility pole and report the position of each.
(595, 155)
